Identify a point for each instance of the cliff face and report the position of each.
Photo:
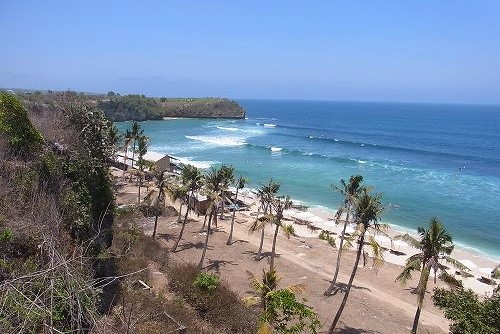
(140, 108)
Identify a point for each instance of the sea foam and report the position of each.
(219, 140)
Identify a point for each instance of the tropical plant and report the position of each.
(239, 184)
(213, 179)
(142, 148)
(435, 244)
(281, 312)
(350, 191)
(191, 181)
(266, 194)
(367, 211)
(467, 313)
(159, 204)
(227, 175)
(127, 139)
(279, 205)
(206, 282)
(136, 132)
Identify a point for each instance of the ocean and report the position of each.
(428, 160)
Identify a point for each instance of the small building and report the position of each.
(160, 161)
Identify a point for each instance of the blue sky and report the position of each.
(430, 51)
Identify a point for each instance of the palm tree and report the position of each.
(266, 194)
(136, 132)
(213, 182)
(279, 205)
(142, 148)
(227, 174)
(159, 205)
(239, 184)
(191, 181)
(350, 191)
(434, 245)
(367, 211)
(127, 139)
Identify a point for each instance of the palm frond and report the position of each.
(297, 288)
(251, 301)
(412, 264)
(377, 251)
(457, 264)
(409, 240)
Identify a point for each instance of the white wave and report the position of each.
(361, 162)
(227, 128)
(276, 149)
(269, 125)
(195, 163)
(362, 145)
(219, 140)
(335, 140)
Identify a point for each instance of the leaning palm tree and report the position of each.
(350, 191)
(136, 132)
(239, 184)
(435, 244)
(266, 194)
(213, 179)
(367, 211)
(191, 180)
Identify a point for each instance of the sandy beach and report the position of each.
(376, 304)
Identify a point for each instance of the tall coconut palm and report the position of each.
(367, 211)
(159, 205)
(213, 179)
(127, 139)
(266, 194)
(279, 205)
(136, 132)
(227, 174)
(239, 184)
(350, 191)
(142, 148)
(191, 181)
(435, 244)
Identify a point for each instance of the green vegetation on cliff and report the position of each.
(141, 108)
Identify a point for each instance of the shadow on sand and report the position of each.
(352, 330)
(342, 288)
(216, 264)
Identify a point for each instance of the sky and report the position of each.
(415, 50)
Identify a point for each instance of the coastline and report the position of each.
(460, 253)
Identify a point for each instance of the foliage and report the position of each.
(21, 135)
(324, 235)
(207, 282)
(468, 314)
(287, 315)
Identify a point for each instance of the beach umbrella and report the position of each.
(468, 263)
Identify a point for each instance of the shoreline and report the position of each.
(460, 253)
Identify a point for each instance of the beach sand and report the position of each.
(376, 304)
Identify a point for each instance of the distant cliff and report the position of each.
(137, 107)
(140, 108)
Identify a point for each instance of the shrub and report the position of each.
(207, 282)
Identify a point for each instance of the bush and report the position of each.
(222, 308)
(206, 281)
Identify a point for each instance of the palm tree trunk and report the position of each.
(157, 209)
(156, 224)
(273, 249)
(329, 291)
(230, 239)
(180, 210)
(349, 285)
(125, 161)
(422, 287)
(259, 253)
(174, 247)
(222, 206)
(200, 265)
(204, 222)
(139, 193)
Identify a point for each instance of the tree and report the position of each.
(435, 244)
(282, 312)
(350, 191)
(279, 205)
(367, 211)
(142, 149)
(239, 184)
(213, 179)
(266, 194)
(136, 133)
(227, 174)
(159, 205)
(21, 135)
(468, 314)
(191, 181)
(127, 139)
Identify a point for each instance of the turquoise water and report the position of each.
(428, 160)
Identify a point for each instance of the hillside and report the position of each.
(140, 107)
